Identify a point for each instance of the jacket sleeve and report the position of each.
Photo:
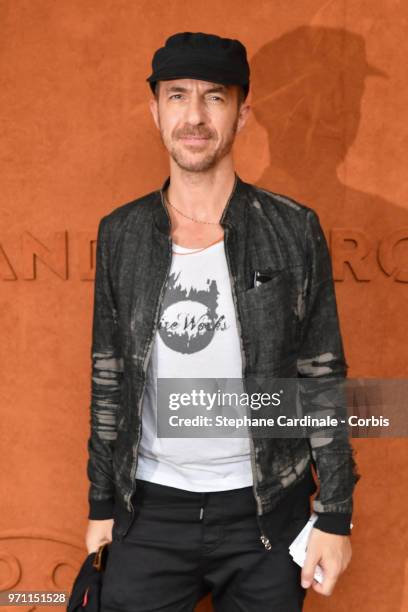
(321, 357)
(106, 377)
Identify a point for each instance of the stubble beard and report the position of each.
(185, 160)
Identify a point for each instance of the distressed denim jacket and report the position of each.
(288, 326)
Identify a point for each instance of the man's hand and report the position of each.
(98, 533)
(332, 552)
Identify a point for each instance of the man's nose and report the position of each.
(195, 111)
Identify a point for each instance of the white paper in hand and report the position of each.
(298, 548)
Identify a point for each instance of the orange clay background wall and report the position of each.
(329, 128)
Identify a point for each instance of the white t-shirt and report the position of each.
(187, 345)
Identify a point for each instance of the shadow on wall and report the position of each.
(307, 89)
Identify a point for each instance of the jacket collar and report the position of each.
(232, 216)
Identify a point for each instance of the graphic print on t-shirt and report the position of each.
(190, 315)
(197, 337)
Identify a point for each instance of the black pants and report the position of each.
(183, 545)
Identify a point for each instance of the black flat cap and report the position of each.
(207, 57)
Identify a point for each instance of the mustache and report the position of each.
(194, 135)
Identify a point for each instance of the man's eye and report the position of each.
(216, 98)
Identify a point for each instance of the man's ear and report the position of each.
(154, 109)
(243, 116)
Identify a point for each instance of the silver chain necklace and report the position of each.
(187, 217)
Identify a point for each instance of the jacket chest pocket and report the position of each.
(266, 283)
(270, 313)
(273, 297)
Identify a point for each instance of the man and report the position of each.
(210, 277)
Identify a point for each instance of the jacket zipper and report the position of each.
(263, 537)
(145, 364)
(265, 541)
